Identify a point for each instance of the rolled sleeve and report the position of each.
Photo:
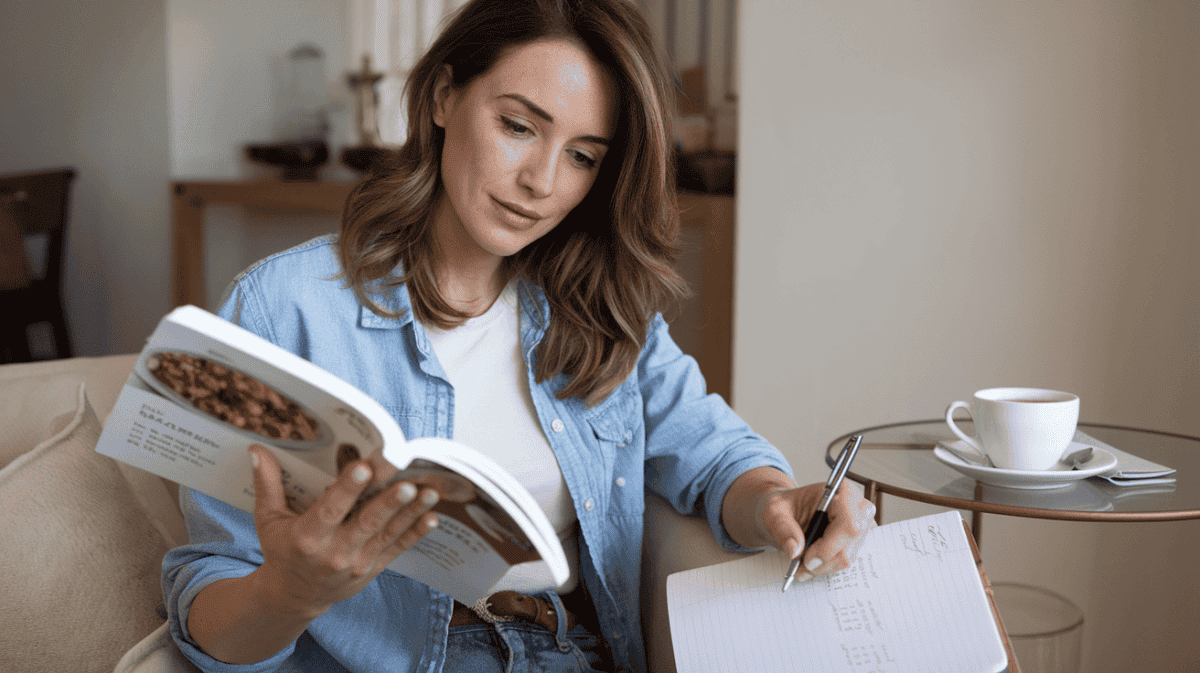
(219, 550)
(696, 446)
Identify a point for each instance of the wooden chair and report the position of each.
(33, 208)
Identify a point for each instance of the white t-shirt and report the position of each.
(494, 414)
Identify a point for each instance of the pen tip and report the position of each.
(787, 583)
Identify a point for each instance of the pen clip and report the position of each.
(837, 466)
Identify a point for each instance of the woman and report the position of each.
(500, 284)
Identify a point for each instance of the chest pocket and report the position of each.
(617, 426)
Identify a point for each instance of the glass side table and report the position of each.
(898, 460)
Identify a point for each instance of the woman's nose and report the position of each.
(537, 175)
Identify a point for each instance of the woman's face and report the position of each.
(523, 145)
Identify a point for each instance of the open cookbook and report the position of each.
(204, 389)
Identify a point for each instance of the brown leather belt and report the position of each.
(514, 605)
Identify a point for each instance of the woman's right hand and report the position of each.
(315, 559)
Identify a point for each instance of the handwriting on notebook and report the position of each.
(859, 575)
(857, 615)
(927, 541)
(869, 658)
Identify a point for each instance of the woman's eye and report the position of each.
(583, 160)
(515, 127)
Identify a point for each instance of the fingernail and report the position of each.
(254, 459)
(360, 474)
(433, 523)
(813, 564)
(795, 548)
(406, 493)
(804, 577)
(429, 498)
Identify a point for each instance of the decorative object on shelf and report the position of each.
(301, 144)
(370, 151)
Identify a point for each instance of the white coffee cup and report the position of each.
(1019, 428)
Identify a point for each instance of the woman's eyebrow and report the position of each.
(537, 110)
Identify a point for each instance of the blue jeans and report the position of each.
(521, 647)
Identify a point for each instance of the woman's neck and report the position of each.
(467, 291)
(469, 278)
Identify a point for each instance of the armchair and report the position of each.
(83, 535)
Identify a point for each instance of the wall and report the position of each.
(228, 64)
(939, 197)
(85, 85)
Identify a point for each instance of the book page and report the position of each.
(474, 544)
(912, 601)
(153, 433)
(509, 500)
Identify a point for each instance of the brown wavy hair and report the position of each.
(607, 268)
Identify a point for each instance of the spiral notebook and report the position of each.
(912, 601)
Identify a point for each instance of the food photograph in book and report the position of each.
(269, 406)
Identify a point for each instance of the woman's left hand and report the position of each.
(764, 507)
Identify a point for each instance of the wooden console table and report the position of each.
(703, 325)
(189, 200)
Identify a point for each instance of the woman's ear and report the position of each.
(443, 92)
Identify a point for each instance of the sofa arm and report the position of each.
(672, 543)
(104, 375)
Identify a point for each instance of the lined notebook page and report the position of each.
(911, 601)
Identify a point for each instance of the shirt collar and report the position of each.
(394, 299)
(531, 304)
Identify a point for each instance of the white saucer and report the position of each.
(1060, 475)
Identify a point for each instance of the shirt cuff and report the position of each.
(721, 485)
(179, 604)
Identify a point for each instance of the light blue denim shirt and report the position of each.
(659, 430)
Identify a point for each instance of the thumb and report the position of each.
(268, 482)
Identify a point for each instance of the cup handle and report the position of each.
(974, 443)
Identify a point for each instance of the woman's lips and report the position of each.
(519, 210)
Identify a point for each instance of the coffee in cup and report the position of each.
(1019, 428)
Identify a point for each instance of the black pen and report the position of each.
(820, 518)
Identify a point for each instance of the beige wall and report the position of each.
(937, 197)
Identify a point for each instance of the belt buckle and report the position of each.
(482, 607)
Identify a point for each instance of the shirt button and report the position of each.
(616, 635)
(557, 425)
(620, 481)
(564, 647)
(589, 504)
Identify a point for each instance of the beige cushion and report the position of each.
(38, 399)
(79, 572)
(33, 408)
